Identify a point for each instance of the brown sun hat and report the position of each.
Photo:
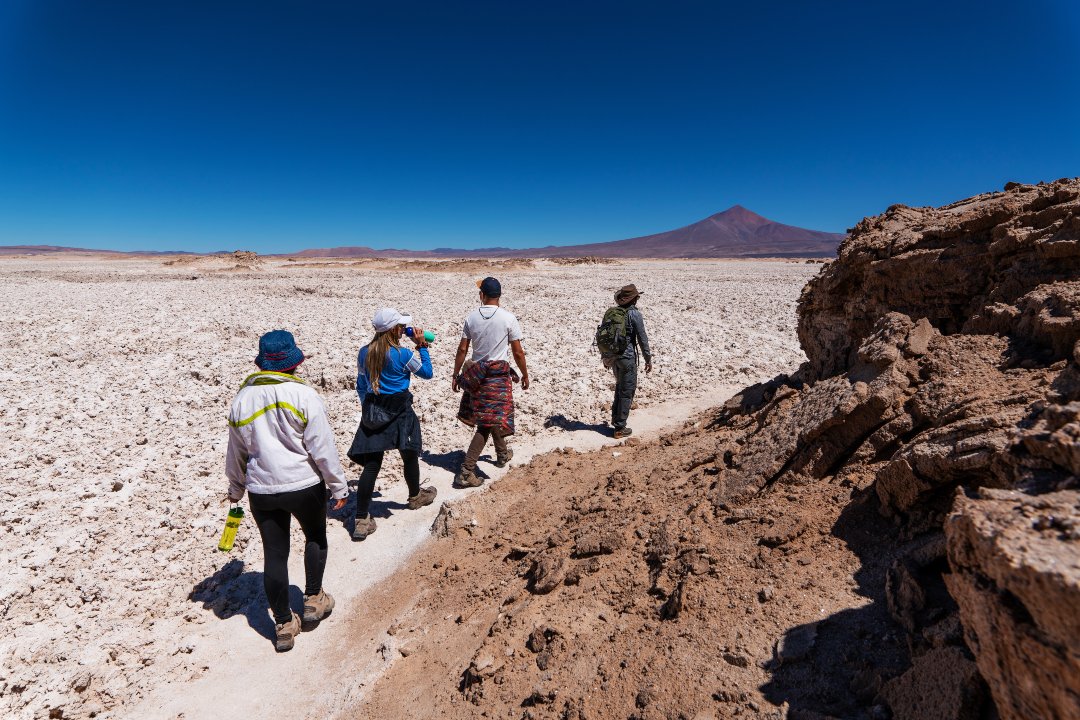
(627, 294)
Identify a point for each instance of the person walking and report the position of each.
(388, 421)
(626, 364)
(487, 379)
(281, 451)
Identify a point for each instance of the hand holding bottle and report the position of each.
(416, 333)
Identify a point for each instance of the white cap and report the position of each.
(388, 319)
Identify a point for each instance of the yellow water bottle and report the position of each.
(232, 522)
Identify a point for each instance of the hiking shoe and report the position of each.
(502, 460)
(622, 432)
(286, 634)
(426, 496)
(363, 527)
(466, 479)
(316, 607)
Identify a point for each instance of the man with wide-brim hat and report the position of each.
(625, 365)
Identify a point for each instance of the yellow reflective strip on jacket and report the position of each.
(274, 406)
(270, 375)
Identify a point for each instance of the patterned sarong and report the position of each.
(487, 399)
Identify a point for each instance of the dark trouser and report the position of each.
(372, 463)
(479, 440)
(272, 516)
(625, 370)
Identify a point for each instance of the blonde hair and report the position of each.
(377, 350)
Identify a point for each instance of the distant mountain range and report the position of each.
(60, 249)
(733, 233)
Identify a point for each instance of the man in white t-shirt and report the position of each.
(494, 335)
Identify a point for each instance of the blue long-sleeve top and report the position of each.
(401, 363)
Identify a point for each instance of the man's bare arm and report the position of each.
(519, 357)
(459, 360)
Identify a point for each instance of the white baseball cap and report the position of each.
(388, 319)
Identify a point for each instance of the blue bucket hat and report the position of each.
(278, 352)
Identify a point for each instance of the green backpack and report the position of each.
(613, 334)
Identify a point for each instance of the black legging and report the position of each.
(272, 515)
(372, 463)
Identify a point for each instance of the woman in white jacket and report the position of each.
(281, 450)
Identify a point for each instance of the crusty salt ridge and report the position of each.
(116, 379)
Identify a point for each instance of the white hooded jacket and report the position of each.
(280, 439)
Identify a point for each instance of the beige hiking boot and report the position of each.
(286, 634)
(316, 607)
(363, 527)
(426, 496)
(501, 460)
(466, 479)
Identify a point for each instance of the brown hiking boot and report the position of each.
(426, 496)
(316, 607)
(286, 634)
(622, 432)
(467, 479)
(363, 527)
(501, 460)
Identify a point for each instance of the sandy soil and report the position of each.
(116, 379)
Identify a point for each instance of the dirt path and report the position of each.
(328, 669)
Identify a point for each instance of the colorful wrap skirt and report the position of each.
(487, 400)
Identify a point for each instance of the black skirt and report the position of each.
(401, 433)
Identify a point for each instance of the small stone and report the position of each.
(736, 659)
(117, 485)
(797, 643)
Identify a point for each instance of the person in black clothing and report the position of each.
(625, 366)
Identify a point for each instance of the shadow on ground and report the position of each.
(836, 667)
(564, 423)
(230, 591)
(449, 461)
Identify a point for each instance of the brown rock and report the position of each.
(547, 573)
(961, 267)
(1016, 577)
(796, 643)
(784, 530)
(597, 542)
(940, 685)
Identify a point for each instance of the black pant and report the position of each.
(625, 370)
(372, 463)
(272, 514)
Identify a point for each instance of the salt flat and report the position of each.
(117, 375)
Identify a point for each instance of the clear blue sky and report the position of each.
(275, 126)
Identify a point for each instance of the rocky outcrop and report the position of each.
(1016, 577)
(1003, 263)
(944, 358)
(889, 531)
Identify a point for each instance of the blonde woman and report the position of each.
(384, 369)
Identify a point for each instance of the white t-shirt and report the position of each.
(490, 330)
